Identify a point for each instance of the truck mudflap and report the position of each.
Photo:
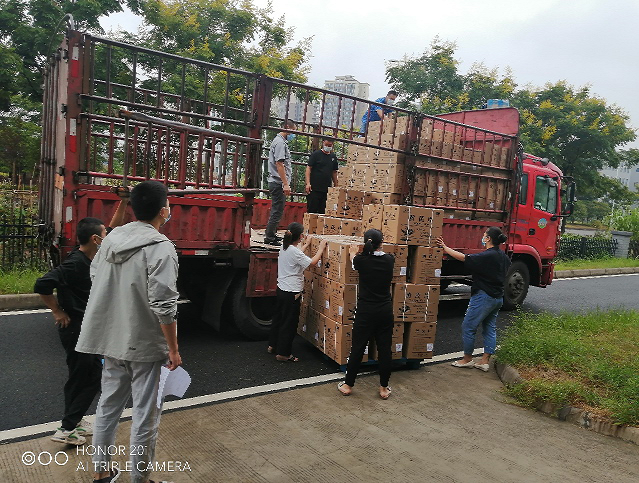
(547, 274)
(262, 274)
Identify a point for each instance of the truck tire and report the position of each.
(252, 315)
(516, 287)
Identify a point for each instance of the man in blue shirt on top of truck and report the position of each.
(376, 113)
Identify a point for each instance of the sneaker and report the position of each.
(68, 437)
(84, 428)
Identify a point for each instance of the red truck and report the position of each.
(116, 114)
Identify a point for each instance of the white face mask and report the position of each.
(327, 149)
(390, 102)
(483, 241)
(166, 220)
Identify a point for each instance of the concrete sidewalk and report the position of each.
(440, 424)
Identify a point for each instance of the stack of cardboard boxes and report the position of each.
(329, 300)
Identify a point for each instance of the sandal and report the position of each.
(290, 358)
(389, 393)
(339, 388)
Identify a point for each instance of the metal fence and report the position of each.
(20, 246)
(633, 249)
(575, 247)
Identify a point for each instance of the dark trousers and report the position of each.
(278, 200)
(369, 325)
(316, 202)
(85, 372)
(285, 321)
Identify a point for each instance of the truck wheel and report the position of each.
(517, 283)
(252, 315)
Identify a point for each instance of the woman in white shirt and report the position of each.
(291, 264)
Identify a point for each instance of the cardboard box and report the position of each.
(335, 263)
(400, 252)
(406, 225)
(425, 265)
(345, 203)
(385, 178)
(395, 141)
(385, 198)
(396, 125)
(397, 344)
(415, 302)
(328, 225)
(436, 147)
(419, 340)
(311, 222)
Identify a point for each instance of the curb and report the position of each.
(21, 301)
(576, 416)
(593, 272)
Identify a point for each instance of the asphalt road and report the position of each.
(33, 368)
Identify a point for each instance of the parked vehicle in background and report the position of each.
(116, 114)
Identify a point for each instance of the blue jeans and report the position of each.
(482, 310)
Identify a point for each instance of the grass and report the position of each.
(596, 263)
(590, 361)
(18, 281)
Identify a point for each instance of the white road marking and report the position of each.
(44, 311)
(596, 276)
(38, 429)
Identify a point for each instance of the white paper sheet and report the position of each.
(174, 382)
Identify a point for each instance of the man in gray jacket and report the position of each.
(131, 319)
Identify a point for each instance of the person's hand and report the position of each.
(353, 250)
(123, 192)
(440, 242)
(174, 360)
(308, 188)
(287, 190)
(323, 244)
(61, 318)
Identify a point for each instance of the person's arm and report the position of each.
(449, 251)
(120, 211)
(335, 178)
(61, 317)
(307, 175)
(318, 255)
(170, 334)
(306, 243)
(353, 250)
(44, 287)
(282, 172)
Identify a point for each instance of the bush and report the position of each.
(627, 220)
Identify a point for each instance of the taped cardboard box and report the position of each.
(394, 141)
(395, 125)
(387, 178)
(406, 225)
(345, 203)
(397, 344)
(335, 263)
(311, 222)
(425, 265)
(415, 302)
(400, 268)
(328, 225)
(385, 198)
(419, 340)
(338, 341)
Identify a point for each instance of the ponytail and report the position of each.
(293, 233)
(372, 241)
(496, 236)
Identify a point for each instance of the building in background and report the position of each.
(296, 110)
(626, 175)
(346, 84)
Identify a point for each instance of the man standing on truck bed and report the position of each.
(279, 176)
(376, 113)
(320, 172)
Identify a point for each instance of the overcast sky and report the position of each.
(583, 42)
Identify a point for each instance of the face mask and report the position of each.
(327, 149)
(390, 102)
(483, 241)
(166, 220)
(99, 244)
(290, 137)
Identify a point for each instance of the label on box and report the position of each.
(340, 310)
(327, 304)
(316, 335)
(441, 188)
(455, 192)
(402, 271)
(438, 272)
(366, 350)
(429, 347)
(335, 206)
(471, 193)
(398, 347)
(304, 328)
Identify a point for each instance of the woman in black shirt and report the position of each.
(487, 295)
(374, 314)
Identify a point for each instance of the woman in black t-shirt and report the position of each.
(487, 295)
(374, 314)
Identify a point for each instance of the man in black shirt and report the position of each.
(320, 172)
(72, 281)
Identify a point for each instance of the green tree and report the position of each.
(575, 129)
(20, 140)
